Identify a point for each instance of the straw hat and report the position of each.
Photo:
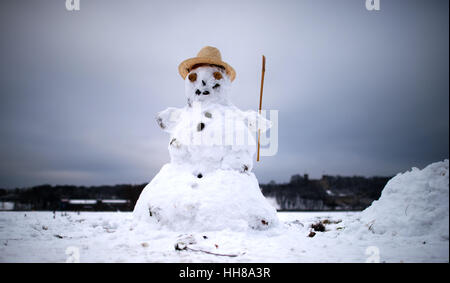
(207, 55)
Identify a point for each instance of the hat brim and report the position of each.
(185, 67)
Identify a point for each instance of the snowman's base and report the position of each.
(221, 199)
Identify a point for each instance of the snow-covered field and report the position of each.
(409, 223)
(113, 237)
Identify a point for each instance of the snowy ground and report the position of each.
(114, 237)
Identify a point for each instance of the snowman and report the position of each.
(208, 184)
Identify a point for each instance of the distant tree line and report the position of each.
(301, 193)
(47, 197)
(327, 193)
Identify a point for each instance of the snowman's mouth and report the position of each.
(198, 92)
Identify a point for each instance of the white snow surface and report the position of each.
(409, 223)
(115, 237)
(415, 203)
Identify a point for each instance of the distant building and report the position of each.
(95, 204)
(299, 179)
(6, 205)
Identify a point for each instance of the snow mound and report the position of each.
(222, 199)
(415, 203)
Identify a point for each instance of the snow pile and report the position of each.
(115, 237)
(208, 184)
(415, 203)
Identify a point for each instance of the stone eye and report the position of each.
(192, 77)
(217, 75)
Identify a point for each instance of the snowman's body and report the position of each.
(205, 139)
(208, 185)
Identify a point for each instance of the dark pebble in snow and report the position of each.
(318, 227)
(208, 115)
(180, 247)
(200, 126)
(311, 234)
(160, 123)
(199, 175)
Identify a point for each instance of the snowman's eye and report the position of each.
(217, 75)
(192, 77)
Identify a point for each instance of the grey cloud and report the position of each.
(358, 92)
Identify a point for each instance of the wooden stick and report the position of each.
(211, 253)
(260, 100)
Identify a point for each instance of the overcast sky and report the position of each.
(358, 92)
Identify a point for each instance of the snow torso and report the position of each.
(203, 140)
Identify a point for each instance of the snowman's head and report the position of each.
(208, 84)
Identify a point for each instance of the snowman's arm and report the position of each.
(168, 118)
(256, 121)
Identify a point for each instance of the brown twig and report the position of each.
(211, 253)
(260, 99)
